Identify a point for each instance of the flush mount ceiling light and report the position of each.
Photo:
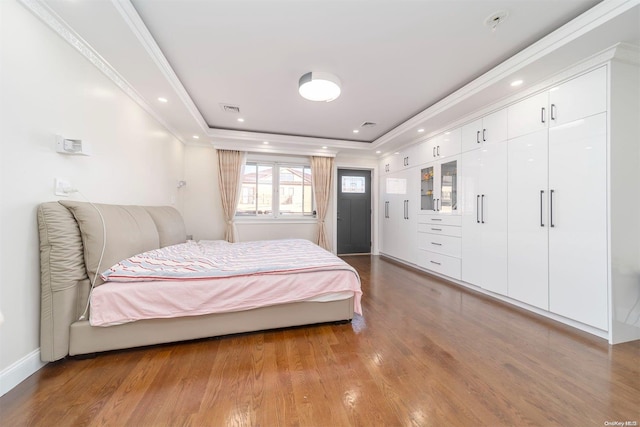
(319, 86)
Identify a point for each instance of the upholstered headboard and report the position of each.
(72, 237)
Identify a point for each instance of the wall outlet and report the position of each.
(61, 187)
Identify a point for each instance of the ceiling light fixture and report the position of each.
(240, 119)
(196, 137)
(420, 130)
(161, 99)
(324, 147)
(378, 151)
(265, 142)
(356, 131)
(319, 86)
(516, 83)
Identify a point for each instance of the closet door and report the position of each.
(470, 169)
(581, 97)
(528, 222)
(578, 221)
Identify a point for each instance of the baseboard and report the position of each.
(20, 371)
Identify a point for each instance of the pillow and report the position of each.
(130, 230)
(169, 223)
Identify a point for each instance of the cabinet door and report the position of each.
(493, 216)
(528, 222)
(450, 143)
(470, 164)
(494, 127)
(528, 115)
(578, 98)
(471, 137)
(394, 193)
(578, 219)
(448, 186)
(427, 189)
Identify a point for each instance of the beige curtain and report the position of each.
(230, 167)
(321, 179)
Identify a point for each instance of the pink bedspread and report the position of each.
(116, 303)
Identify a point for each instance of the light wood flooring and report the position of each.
(426, 353)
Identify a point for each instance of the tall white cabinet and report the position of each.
(484, 208)
(557, 200)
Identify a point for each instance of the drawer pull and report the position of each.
(436, 219)
(433, 262)
(437, 244)
(436, 229)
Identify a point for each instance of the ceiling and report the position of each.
(401, 62)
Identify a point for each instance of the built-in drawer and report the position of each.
(445, 245)
(446, 230)
(442, 264)
(440, 219)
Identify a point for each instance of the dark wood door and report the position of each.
(354, 211)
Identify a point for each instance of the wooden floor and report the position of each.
(426, 353)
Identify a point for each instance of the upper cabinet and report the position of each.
(581, 97)
(400, 160)
(490, 128)
(439, 187)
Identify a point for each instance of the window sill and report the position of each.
(239, 221)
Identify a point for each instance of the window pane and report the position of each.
(295, 190)
(247, 202)
(265, 190)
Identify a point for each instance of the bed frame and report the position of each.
(71, 241)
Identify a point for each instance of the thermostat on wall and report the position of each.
(71, 146)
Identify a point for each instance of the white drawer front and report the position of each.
(440, 219)
(443, 264)
(445, 230)
(445, 245)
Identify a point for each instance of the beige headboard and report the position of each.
(71, 243)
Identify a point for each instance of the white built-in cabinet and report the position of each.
(557, 200)
(521, 201)
(484, 209)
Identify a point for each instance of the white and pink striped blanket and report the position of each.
(202, 260)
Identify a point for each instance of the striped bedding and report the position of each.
(200, 260)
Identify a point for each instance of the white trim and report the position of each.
(59, 26)
(19, 371)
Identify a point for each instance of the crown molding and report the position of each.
(60, 27)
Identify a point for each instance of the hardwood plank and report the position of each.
(425, 352)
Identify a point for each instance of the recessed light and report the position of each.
(516, 83)
(420, 130)
(265, 142)
(161, 99)
(378, 151)
(240, 119)
(356, 131)
(196, 137)
(324, 147)
(397, 152)
(447, 133)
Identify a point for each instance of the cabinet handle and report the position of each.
(482, 208)
(484, 132)
(436, 219)
(478, 137)
(478, 208)
(551, 224)
(553, 111)
(541, 219)
(543, 115)
(436, 229)
(436, 263)
(438, 151)
(440, 203)
(437, 244)
(435, 205)
(386, 209)
(434, 151)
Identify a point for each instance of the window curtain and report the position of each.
(321, 179)
(230, 167)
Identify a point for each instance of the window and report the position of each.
(259, 198)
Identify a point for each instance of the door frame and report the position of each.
(374, 204)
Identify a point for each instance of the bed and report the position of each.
(82, 244)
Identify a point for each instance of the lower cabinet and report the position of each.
(439, 243)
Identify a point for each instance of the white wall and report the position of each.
(46, 88)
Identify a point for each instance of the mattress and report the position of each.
(320, 277)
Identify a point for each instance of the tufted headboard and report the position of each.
(71, 246)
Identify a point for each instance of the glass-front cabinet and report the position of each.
(439, 187)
